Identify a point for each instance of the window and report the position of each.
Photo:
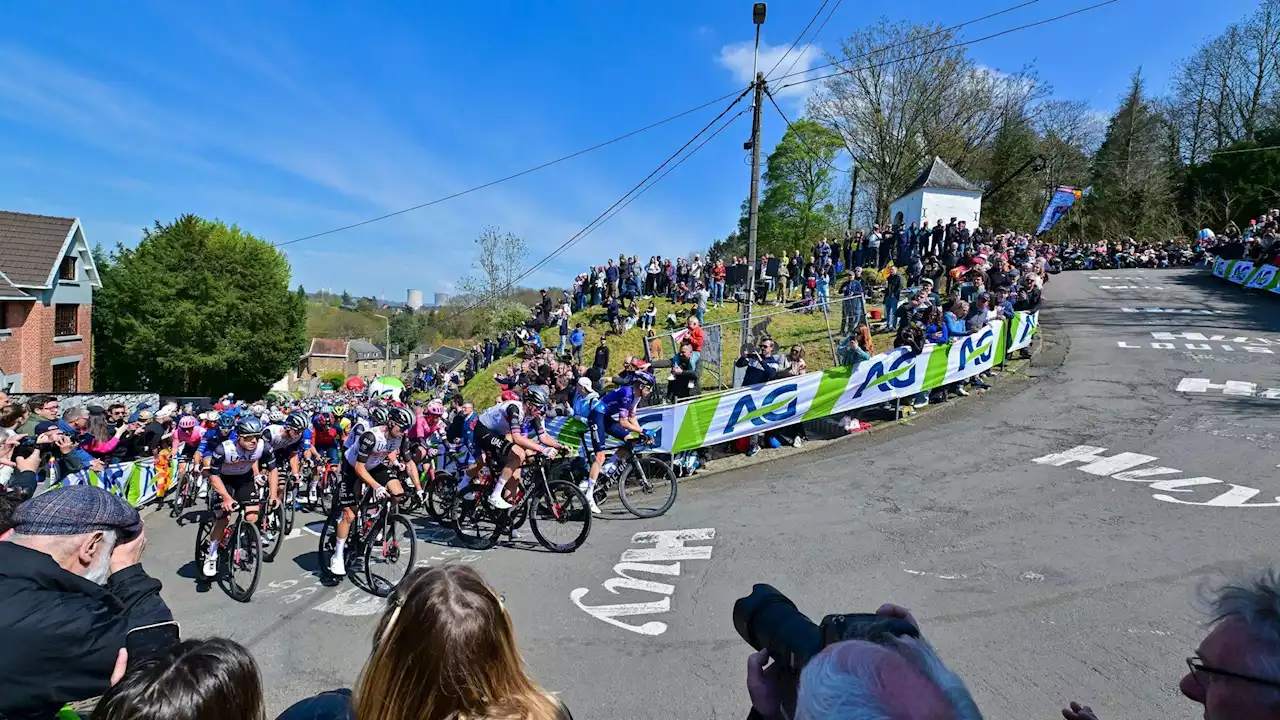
(67, 270)
(7, 316)
(64, 377)
(66, 320)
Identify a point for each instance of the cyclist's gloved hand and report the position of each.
(550, 453)
(650, 436)
(228, 505)
(381, 493)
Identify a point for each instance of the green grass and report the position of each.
(787, 328)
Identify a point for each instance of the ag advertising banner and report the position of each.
(136, 482)
(882, 378)
(1244, 272)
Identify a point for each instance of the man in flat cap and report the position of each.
(73, 594)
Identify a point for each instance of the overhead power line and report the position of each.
(1244, 150)
(639, 189)
(814, 36)
(798, 39)
(513, 176)
(935, 33)
(944, 48)
(799, 138)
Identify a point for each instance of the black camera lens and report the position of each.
(767, 619)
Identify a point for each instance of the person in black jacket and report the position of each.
(73, 596)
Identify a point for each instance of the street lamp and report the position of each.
(757, 17)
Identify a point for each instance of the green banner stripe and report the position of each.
(936, 371)
(697, 422)
(1002, 340)
(830, 388)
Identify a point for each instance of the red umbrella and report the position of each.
(355, 383)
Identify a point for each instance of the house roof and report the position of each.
(421, 349)
(31, 246)
(9, 292)
(326, 347)
(365, 350)
(939, 175)
(395, 354)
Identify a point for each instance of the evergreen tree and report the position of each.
(1013, 206)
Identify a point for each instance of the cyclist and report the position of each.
(326, 444)
(614, 415)
(186, 441)
(224, 430)
(233, 468)
(366, 464)
(360, 423)
(289, 440)
(502, 434)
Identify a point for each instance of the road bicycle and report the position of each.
(440, 485)
(323, 476)
(646, 483)
(239, 553)
(186, 493)
(381, 545)
(271, 521)
(289, 502)
(557, 511)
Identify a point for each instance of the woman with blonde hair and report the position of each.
(445, 649)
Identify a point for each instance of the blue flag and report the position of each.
(1062, 200)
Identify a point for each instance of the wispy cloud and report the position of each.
(739, 59)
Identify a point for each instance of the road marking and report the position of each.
(668, 545)
(1120, 467)
(1131, 287)
(1196, 346)
(1183, 311)
(936, 575)
(1228, 387)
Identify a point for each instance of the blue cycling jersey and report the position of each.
(617, 403)
(212, 438)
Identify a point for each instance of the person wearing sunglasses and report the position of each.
(1235, 671)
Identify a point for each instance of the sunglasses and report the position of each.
(1197, 666)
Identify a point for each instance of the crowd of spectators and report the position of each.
(88, 631)
(1258, 242)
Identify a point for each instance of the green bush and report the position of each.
(336, 379)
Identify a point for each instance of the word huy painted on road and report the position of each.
(668, 545)
(1183, 311)
(1125, 466)
(1229, 387)
(1115, 277)
(1229, 343)
(1131, 287)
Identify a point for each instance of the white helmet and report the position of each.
(277, 416)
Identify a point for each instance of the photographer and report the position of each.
(19, 464)
(683, 381)
(885, 669)
(761, 365)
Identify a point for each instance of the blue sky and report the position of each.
(293, 118)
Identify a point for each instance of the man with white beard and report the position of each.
(74, 600)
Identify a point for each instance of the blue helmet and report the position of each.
(249, 425)
(644, 378)
(226, 422)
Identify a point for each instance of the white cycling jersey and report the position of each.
(372, 449)
(358, 428)
(500, 418)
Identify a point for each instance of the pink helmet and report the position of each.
(435, 407)
(187, 422)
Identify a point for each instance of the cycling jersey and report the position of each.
(617, 403)
(372, 448)
(283, 446)
(504, 416)
(229, 459)
(325, 437)
(213, 438)
(358, 429)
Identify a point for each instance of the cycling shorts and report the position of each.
(331, 454)
(242, 488)
(601, 427)
(350, 489)
(188, 450)
(494, 446)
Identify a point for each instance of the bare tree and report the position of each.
(498, 262)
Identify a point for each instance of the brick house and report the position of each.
(349, 357)
(47, 279)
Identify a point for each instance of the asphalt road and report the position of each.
(1038, 581)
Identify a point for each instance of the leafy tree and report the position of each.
(365, 305)
(1233, 186)
(507, 316)
(346, 298)
(197, 308)
(302, 294)
(335, 379)
(1132, 194)
(796, 207)
(408, 329)
(1013, 206)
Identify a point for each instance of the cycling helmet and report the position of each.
(362, 412)
(536, 397)
(186, 422)
(400, 417)
(435, 407)
(226, 422)
(296, 421)
(644, 378)
(379, 415)
(323, 419)
(249, 426)
(277, 417)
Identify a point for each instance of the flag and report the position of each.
(1062, 200)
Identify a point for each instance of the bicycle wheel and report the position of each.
(647, 487)
(561, 520)
(440, 493)
(478, 524)
(202, 542)
(288, 508)
(271, 520)
(178, 493)
(389, 554)
(328, 541)
(325, 494)
(244, 561)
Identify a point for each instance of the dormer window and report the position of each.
(67, 270)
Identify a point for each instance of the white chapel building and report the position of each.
(939, 193)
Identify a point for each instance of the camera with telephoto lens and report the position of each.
(768, 620)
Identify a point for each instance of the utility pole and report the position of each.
(853, 197)
(754, 213)
(757, 16)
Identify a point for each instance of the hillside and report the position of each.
(787, 328)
